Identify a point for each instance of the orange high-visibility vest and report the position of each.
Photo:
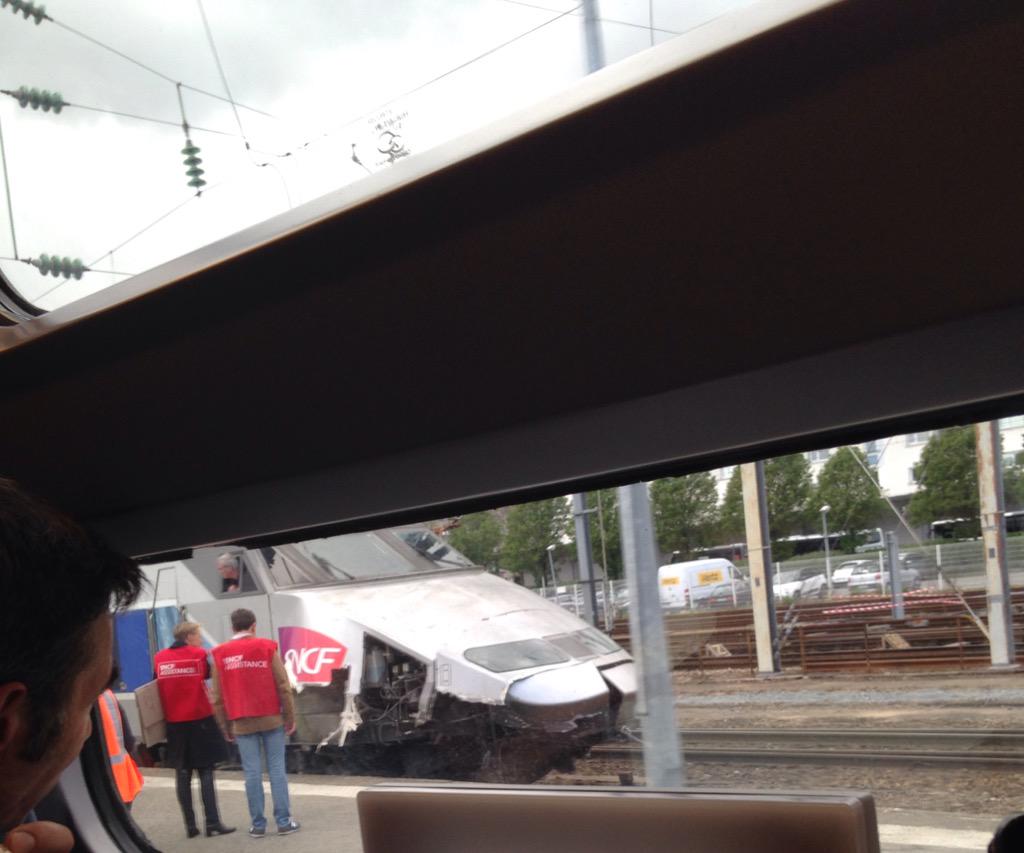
(126, 771)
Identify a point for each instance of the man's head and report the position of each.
(242, 620)
(188, 632)
(227, 565)
(56, 642)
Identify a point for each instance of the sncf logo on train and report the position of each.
(309, 655)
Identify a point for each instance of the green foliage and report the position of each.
(685, 512)
(790, 492)
(612, 550)
(1013, 482)
(855, 502)
(731, 517)
(530, 528)
(478, 536)
(948, 477)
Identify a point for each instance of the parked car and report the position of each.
(805, 583)
(841, 574)
(869, 579)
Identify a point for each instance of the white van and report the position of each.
(693, 584)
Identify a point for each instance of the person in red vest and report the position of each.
(194, 740)
(252, 699)
(123, 767)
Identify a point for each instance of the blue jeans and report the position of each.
(252, 764)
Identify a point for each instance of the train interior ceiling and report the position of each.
(699, 257)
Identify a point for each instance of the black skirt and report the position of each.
(197, 743)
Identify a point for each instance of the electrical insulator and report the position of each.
(58, 267)
(39, 98)
(192, 160)
(29, 10)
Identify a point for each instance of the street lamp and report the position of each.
(828, 558)
(551, 565)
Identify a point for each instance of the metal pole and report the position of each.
(580, 514)
(895, 574)
(993, 531)
(755, 512)
(828, 554)
(663, 758)
(551, 566)
(592, 36)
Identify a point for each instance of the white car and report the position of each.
(841, 575)
(870, 579)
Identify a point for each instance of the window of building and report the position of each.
(1016, 422)
(819, 455)
(919, 437)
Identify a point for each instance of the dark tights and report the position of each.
(184, 787)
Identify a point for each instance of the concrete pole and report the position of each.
(828, 550)
(592, 36)
(755, 512)
(993, 532)
(892, 549)
(656, 705)
(580, 513)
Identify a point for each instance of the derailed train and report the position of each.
(407, 658)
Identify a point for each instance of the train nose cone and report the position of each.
(554, 699)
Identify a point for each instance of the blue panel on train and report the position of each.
(133, 653)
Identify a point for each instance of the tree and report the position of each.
(789, 489)
(1013, 482)
(853, 498)
(530, 528)
(732, 521)
(612, 540)
(478, 536)
(685, 511)
(947, 474)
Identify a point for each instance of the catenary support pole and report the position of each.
(592, 36)
(895, 574)
(656, 706)
(755, 511)
(993, 533)
(580, 514)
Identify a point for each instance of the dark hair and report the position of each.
(58, 579)
(242, 619)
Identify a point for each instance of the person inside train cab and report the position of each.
(227, 565)
(194, 740)
(253, 701)
(56, 653)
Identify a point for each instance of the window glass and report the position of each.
(162, 127)
(411, 659)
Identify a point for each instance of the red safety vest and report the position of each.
(180, 676)
(123, 767)
(246, 677)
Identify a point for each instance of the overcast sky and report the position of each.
(326, 71)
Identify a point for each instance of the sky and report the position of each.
(309, 79)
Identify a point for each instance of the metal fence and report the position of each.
(938, 563)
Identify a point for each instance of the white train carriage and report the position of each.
(407, 657)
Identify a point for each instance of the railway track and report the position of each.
(944, 748)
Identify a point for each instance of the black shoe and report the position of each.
(288, 828)
(257, 831)
(219, 829)
(191, 831)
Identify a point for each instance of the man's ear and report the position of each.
(13, 707)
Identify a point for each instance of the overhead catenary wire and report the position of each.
(7, 189)
(602, 19)
(179, 86)
(154, 71)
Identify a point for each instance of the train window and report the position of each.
(255, 104)
(882, 660)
